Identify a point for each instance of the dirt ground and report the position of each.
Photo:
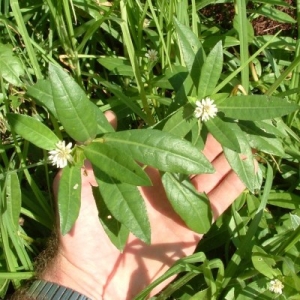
(222, 15)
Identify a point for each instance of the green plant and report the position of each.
(154, 94)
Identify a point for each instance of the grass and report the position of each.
(103, 47)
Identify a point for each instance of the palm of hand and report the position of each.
(87, 255)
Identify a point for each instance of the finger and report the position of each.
(206, 182)
(88, 177)
(231, 186)
(111, 118)
(212, 148)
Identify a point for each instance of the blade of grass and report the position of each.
(241, 15)
(23, 31)
(159, 29)
(131, 53)
(295, 83)
(286, 72)
(244, 248)
(239, 69)
(16, 275)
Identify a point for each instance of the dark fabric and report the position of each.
(43, 290)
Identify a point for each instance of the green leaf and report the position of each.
(117, 91)
(295, 221)
(161, 150)
(117, 232)
(73, 107)
(254, 290)
(211, 71)
(102, 123)
(13, 198)
(197, 66)
(69, 197)
(191, 206)
(116, 163)
(271, 146)
(189, 44)
(263, 262)
(268, 127)
(262, 141)
(42, 94)
(205, 294)
(126, 204)
(11, 67)
(33, 130)
(275, 14)
(181, 122)
(284, 200)
(242, 164)
(256, 107)
(263, 128)
(116, 65)
(274, 2)
(224, 133)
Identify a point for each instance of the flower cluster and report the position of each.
(205, 109)
(152, 55)
(276, 286)
(61, 155)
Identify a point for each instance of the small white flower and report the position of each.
(61, 154)
(146, 23)
(276, 286)
(152, 55)
(205, 109)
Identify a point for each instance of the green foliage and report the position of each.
(190, 205)
(69, 195)
(64, 64)
(33, 130)
(11, 66)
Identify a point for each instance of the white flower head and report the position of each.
(146, 23)
(152, 55)
(276, 286)
(61, 155)
(205, 109)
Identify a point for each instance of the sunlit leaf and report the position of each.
(189, 44)
(191, 206)
(116, 231)
(256, 107)
(116, 163)
(33, 131)
(161, 150)
(223, 132)
(73, 108)
(13, 198)
(42, 94)
(11, 67)
(211, 71)
(284, 200)
(125, 203)
(102, 122)
(295, 221)
(181, 122)
(242, 164)
(69, 197)
(263, 262)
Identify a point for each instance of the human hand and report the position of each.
(89, 263)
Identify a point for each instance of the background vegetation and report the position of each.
(104, 46)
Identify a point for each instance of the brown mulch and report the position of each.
(222, 15)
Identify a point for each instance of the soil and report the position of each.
(222, 15)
